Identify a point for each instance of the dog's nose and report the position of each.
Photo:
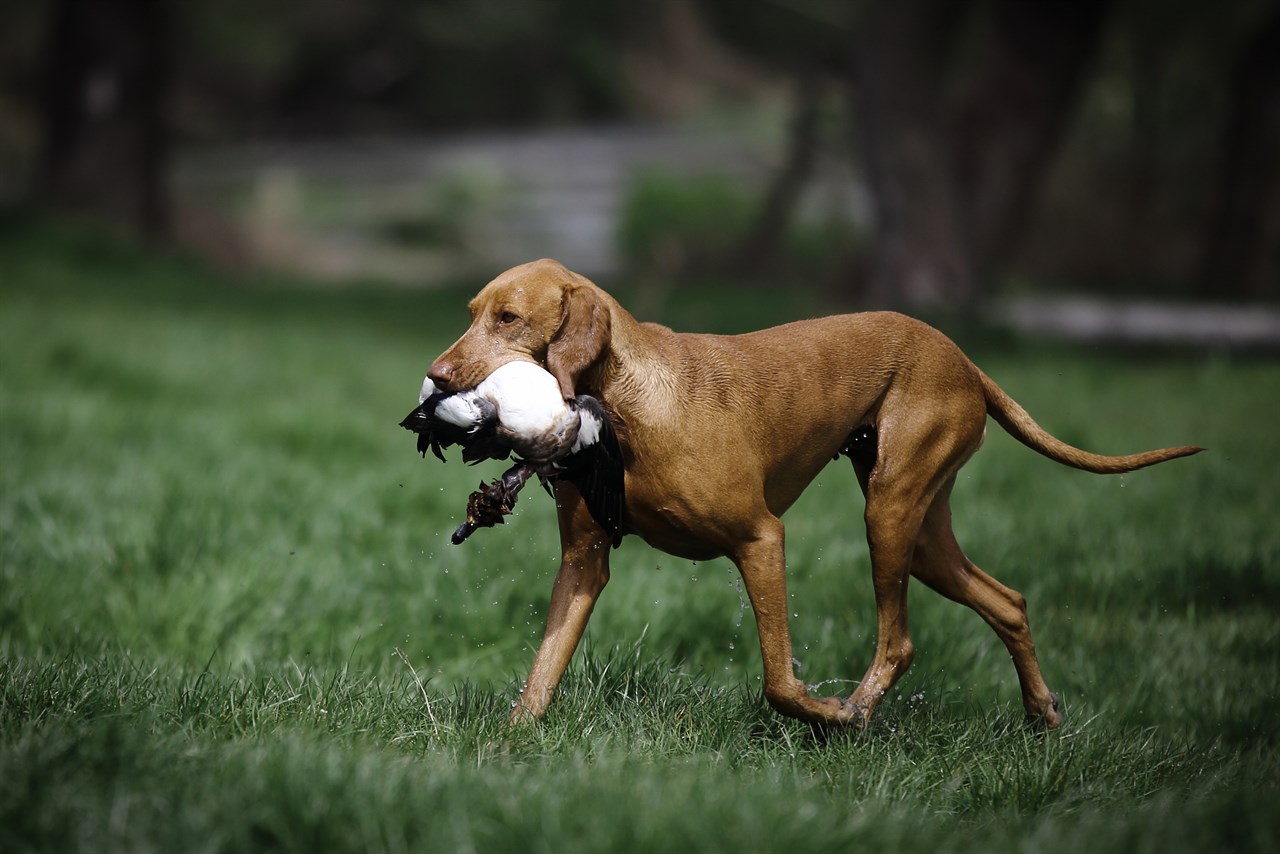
(441, 373)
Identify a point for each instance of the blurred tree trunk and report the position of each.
(954, 169)
(1240, 257)
(106, 146)
(921, 255)
(1011, 118)
(1151, 27)
(759, 248)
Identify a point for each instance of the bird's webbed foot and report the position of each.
(488, 505)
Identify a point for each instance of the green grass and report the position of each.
(230, 617)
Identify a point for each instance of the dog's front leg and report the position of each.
(762, 562)
(584, 571)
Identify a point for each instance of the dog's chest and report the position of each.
(683, 519)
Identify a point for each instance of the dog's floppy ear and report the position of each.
(581, 339)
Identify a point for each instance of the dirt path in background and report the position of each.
(1142, 322)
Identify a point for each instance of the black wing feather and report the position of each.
(598, 473)
(481, 443)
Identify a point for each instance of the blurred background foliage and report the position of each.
(890, 152)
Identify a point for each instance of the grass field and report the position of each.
(230, 617)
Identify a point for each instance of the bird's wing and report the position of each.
(420, 421)
(476, 436)
(598, 473)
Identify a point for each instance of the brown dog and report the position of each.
(720, 434)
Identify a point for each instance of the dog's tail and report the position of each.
(1013, 418)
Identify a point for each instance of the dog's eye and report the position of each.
(507, 317)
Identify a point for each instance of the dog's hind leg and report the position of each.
(916, 452)
(761, 561)
(892, 523)
(939, 563)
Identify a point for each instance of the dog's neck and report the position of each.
(629, 380)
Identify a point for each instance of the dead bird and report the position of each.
(518, 409)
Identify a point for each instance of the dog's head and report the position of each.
(538, 312)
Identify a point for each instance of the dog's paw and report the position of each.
(1050, 717)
